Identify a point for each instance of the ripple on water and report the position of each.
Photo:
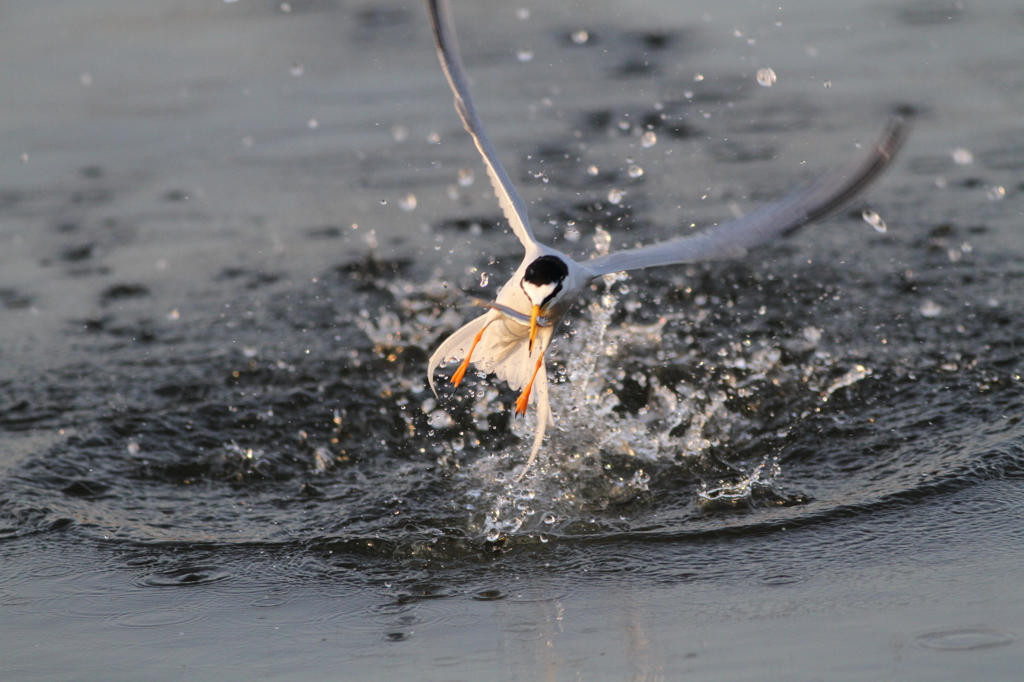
(537, 595)
(160, 617)
(782, 580)
(393, 616)
(186, 576)
(490, 595)
(968, 639)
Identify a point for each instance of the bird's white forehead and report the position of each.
(538, 293)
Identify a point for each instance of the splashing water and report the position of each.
(640, 406)
(595, 457)
(757, 489)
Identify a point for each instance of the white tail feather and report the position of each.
(544, 418)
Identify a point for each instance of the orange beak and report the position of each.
(534, 314)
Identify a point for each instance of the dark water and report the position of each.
(233, 233)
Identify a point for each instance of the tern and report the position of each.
(510, 339)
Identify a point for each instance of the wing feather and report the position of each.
(512, 205)
(827, 194)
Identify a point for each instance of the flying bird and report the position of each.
(510, 339)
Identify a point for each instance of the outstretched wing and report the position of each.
(448, 51)
(822, 197)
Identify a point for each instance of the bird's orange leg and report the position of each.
(460, 373)
(524, 398)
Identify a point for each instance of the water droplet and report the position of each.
(856, 374)
(615, 197)
(493, 535)
(524, 55)
(812, 335)
(766, 77)
(827, 84)
(466, 177)
(439, 419)
(550, 519)
(963, 156)
(313, 124)
(602, 240)
(408, 203)
(371, 239)
(592, 170)
(580, 37)
(874, 220)
(523, 14)
(572, 235)
(133, 447)
(543, 538)
(24, 158)
(400, 133)
(648, 139)
(433, 138)
(698, 77)
(635, 171)
(285, 7)
(930, 309)
(297, 69)
(996, 193)
(484, 279)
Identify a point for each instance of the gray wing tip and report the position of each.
(895, 135)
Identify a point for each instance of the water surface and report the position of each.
(232, 233)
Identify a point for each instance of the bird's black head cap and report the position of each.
(546, 270)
